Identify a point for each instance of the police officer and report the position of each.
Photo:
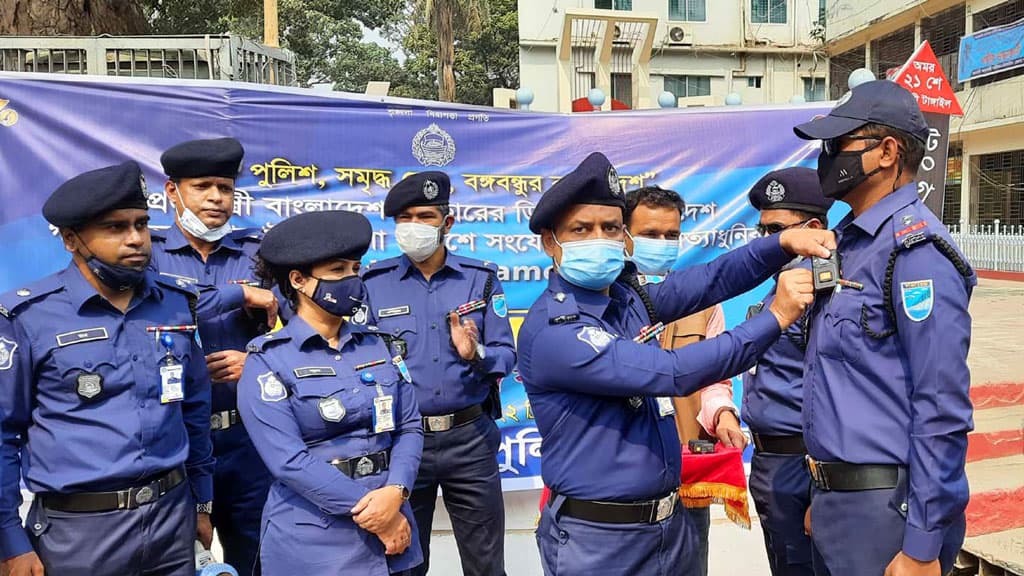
(772, 390)
(599, 390)
(201, 249)
(331, 412)
(886, 405)
(105, 399)
(426, 300)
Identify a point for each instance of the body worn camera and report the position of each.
(826, 272)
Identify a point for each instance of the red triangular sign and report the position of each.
(924, 78)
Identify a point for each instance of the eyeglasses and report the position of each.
(834, 146)
(769, 229)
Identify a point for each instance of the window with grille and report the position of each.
(892, 51)
(997, 188)
(753, 81)
(839, 68)
(1005, 13)
(687, 10)
(814, 89)
(768, 11)
(622, 88)
(613, 4)
(954, 175)
(688, 86)
(943, 31)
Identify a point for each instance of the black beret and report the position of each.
(790, 189)
(313, 237)
(203, 158)
(431, 188)
(594, 181)
(88, 195)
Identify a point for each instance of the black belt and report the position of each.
(845, 477)
(117, 500)
(446, 422)
(360, 466)
(646, 512)
(223, 420)
(780, 444)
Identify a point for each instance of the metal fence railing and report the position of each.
(991, 247)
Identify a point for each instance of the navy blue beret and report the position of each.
(790, 189)
(876, 102)
(313, 237)
(204, 158)
(594, 181)
(88, 195)
(431, 188)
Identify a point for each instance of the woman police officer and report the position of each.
(331, 413)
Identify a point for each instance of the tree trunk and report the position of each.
(445, 30)
(71, 17)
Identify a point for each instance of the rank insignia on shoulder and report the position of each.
(918, 299)
(252, 348)
(271, 389)
(595, 337)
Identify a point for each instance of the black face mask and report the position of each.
(340, 297)
(840, 173)
(114, 276)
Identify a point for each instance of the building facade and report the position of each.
(985, 171)
(768, 51)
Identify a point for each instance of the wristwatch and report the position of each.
(481, 353)
(204, 507)
(403, 490)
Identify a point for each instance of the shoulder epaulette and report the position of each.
(562, 308)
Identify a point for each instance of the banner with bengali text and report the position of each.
(308, 151)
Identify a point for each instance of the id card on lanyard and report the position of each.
(172, 388)
(383, 412)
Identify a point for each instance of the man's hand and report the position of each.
(225, 366)
(807, 521)
(807, 242)
(903, 565)
(376, 511)
(261, 299)
(28, 564)
(397, 537)
(465, 336)
(728, 430)
(793, 294)
(204, 530)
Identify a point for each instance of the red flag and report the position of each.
(924, 78)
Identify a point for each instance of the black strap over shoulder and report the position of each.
(633, 282)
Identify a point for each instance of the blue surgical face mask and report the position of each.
(654, 257)
(592, 264)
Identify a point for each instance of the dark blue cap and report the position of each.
(790, 189)
(431, 188)
(86, 196)
(204, 158)
(594, 181)
(876, 102)
(313, 237)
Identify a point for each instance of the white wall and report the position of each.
(845, 16)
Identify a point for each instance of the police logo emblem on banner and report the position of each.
(432, 146)
(613, 182)
(89, 385)
(331, 409)
(7, 348)
(775, 191)
(597, 338)
(430, 189)
(271, 389)
(499, 305)
(918, 299)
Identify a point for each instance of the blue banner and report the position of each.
(310, 151)
(990, 51)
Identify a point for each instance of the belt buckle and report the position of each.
(441, 423)
(144, 495)
(215, 422)
(666, 506)
(365, 466)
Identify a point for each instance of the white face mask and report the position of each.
(194, 226)
(417, 241)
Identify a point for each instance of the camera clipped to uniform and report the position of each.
(826, 272)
